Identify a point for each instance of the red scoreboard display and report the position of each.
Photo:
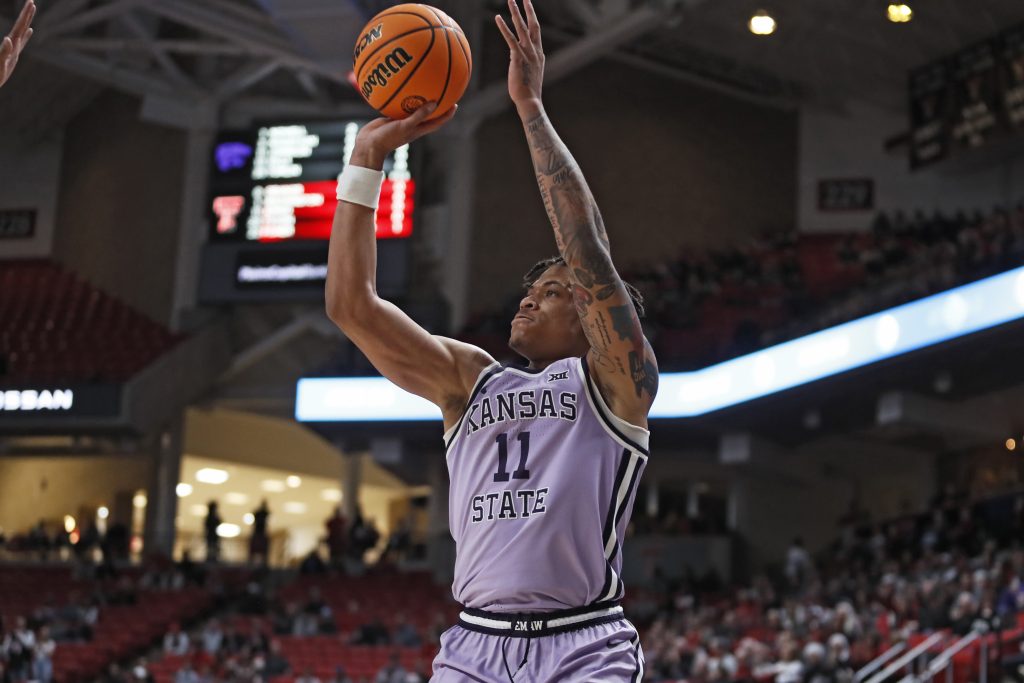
(278, 183)
(271, 204)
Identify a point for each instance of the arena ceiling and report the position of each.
(202, 54)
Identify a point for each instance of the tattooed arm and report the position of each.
(621, 358)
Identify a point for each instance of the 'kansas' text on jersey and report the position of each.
(542, 484)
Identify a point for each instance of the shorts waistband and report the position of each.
(535, 624)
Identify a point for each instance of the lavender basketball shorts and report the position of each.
(588, 645)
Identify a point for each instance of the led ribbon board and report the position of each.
(933, 320)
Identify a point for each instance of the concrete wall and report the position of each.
(671, 166)
(34, 488)
(29, 176)
(119, 203)
(851, 145)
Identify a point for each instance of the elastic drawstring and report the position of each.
(504, 657)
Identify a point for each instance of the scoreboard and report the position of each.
(968, 99)
(279, 183)
(271, 204)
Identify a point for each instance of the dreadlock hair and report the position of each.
(539, 267)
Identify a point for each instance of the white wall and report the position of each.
(850, 145)
(29, 179)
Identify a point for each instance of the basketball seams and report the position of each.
(380, 47)
(422, 60)
(448, 41)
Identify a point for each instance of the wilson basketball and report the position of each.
(409, 55)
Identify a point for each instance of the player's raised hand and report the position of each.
(16, 40)
(526, 69)
(382, 136)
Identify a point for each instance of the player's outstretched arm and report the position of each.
(15, 41)
(623, 362)
(440, 370)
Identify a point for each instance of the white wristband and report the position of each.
(360, 185)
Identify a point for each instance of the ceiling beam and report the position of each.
(161, 57)
(586, 50)
(93, 16)
(188, 47)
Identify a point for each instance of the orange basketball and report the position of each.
(409, 55)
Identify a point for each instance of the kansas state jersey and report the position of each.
(542, 484)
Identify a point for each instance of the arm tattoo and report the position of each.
(583, 242)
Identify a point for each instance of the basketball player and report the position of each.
(544, 459)
(15, 41)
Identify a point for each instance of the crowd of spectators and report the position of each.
(959, 567)
(783, 285)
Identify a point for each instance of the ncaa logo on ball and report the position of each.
(385, 69)
(412, 103)
(370, 37)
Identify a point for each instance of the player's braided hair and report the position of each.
(539, 267)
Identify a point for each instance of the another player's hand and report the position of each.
(382, 136)
(526, 69)
(15, 41)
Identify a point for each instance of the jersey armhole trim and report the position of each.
(628, 435)
(485, 374)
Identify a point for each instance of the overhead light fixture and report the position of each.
(899, 13)
(139, 500)
(293, 481)
(69, 523)
(183, 490)
(236, 498)
(1011, 444)
(761, 24)
(103, 512)
(295, 508)
(226, 530)
(248, 518)
(272, 485)
(331, 495)
(212, 475)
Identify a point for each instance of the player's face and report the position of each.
(547, 326)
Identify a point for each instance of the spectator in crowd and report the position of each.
(210, 525)
(337, 536)
(393, 672)
(307, 677)
(259, 542)
(213, 637)
(405, 633)
(176, 642)
(276, 663)
(187, 674)
(372, 632)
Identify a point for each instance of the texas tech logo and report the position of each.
(366, 40)
(386, 69)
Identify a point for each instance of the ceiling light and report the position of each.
(1011, 444)
(69, 523)
(293, 482)
(295, 508)
(228, 530)
(139, 500)
(103, 512)
(183, 490)
(236, 498)
(272, 485)
(248, 518)
(899, 13)
(212, 475)
(761, 24)
(331, 495)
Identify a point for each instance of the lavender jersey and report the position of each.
(542, 484)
